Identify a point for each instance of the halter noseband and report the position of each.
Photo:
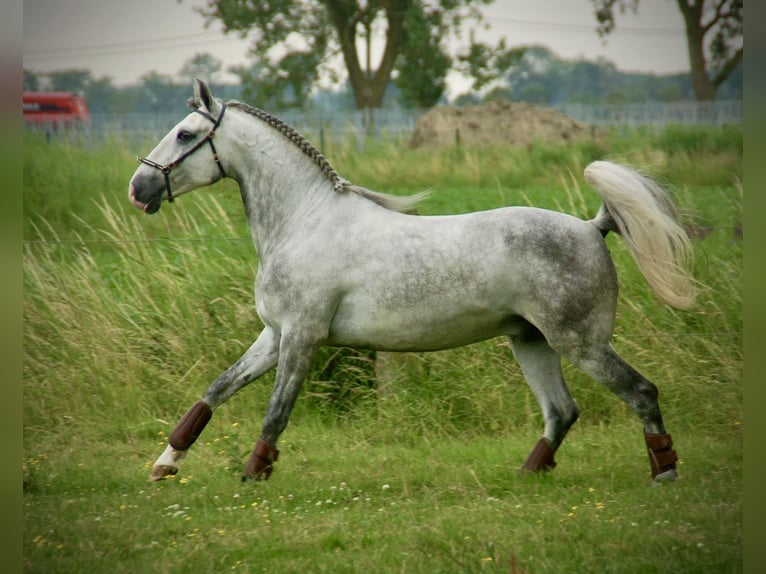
(165, 169)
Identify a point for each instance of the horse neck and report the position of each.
(281, 186)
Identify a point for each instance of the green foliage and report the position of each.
(424, 63)
(69, 80)
(531, 74)
(484, 63)
(540, 76)
(294, 41)
(701, 139)
(286, 81)
(127, 318)
(714, 37)
(203, 66)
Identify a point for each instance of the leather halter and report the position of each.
(165, 169)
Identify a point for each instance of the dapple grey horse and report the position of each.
(341, 265)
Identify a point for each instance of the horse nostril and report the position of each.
(133, 200)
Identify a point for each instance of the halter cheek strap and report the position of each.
(209, 139)
(166, 169)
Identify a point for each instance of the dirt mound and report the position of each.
(511, 123)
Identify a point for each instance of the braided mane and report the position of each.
(393, 202)
(303, 144)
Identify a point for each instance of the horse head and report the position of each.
(161, 175)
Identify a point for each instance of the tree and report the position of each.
(284, 85)
(203, 65)
(484, 64)
(296, 40)
(720, 21)
(423, 64)
(32, 81)
(100, 94)
(158, 93)
(74, 81)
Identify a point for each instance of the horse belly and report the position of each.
(416, 329)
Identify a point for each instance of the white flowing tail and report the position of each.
(639, 210)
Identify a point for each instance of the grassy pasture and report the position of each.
(128, 318)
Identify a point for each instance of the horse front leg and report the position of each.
(257, 360)
(295, 355)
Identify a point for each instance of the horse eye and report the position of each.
(184, 136)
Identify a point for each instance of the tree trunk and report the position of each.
(704, 90)
(368, 90)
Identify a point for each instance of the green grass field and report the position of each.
(127, 319)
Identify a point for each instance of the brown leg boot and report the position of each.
(259, 467)
(662, 457)
(190, 426)
(541, 457)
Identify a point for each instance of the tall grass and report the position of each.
(128, 318)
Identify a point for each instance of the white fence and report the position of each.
(317, 125)
(657, 113)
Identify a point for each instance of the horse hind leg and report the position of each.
(641, 395)
(541, 366)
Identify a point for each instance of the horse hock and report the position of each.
(260, 465)
(662, 457)
(541, 457)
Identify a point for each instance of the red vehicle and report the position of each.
(58, 108)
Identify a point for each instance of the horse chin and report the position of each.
(153, 206)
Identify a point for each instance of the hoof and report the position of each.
(261, 463)
(258, 468)
(161, 472)
(670, 475)
(260, 476)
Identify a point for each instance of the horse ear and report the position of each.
(203, 95)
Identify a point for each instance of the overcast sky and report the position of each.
(124, 40)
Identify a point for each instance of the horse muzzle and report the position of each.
(150, 205)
